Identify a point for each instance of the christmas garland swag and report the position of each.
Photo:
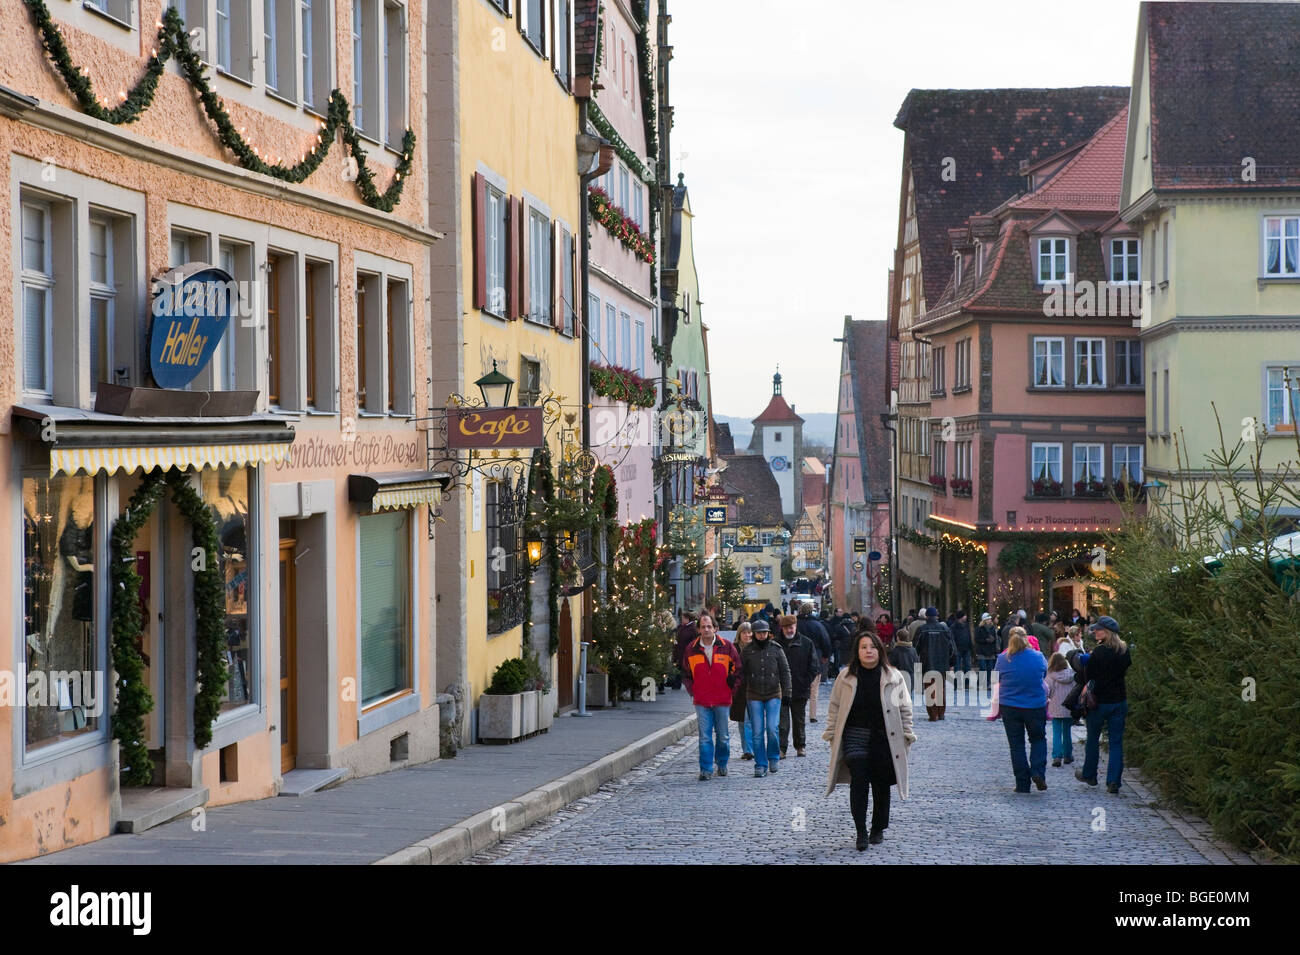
(174, 41)
(134, 701)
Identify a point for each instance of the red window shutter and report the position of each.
(513, 263)
(479, 200)
(557, 279)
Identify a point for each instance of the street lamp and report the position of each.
(494, 385)
(1157, 490)
(534, 551)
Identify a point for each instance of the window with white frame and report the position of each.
(936, 370)
(939, 459)
(593, 324)
(638, 204)
(395, 74)
(535, 23)
(625, 329)
(367, 114)
(119, 10)
(539, 268)
(103, 301)
(624, 197)
(765, 538)
(750, 571)
(236, 259)
(728, 538)
(562, 39)
(1045, 463)
(1053, 260)
(567, 280)
(640, 347)
(1282, 397)
(1164, 252)
(1124, 260)
(495, 220)
(1049, 362)
(1089, 362)
(234, 38)
(610, 342)
(316, 43)
(961, 369)
(961, 462)
(278, 47)
(1282, 245)
(1089, 467)
(38, 297)
(1126, 463)
(1128, 362)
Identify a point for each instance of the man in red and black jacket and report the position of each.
(710, 671)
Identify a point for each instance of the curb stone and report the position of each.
(481, 830)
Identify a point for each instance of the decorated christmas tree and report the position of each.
(632, 627)
(731, 585)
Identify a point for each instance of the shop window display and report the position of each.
(226, 491)
(63, 685)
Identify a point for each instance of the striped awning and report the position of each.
(410, 496)
(112, 460)
(397, 490)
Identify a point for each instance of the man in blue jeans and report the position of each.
(710, 672)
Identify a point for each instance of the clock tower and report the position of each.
(778, 437)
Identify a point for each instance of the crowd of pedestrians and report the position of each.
(767, 680)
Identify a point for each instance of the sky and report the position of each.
(784, 130)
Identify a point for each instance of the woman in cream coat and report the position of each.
(879, 732)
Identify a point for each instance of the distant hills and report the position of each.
(818, 428)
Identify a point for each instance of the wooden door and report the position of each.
(288, 658)
(564, 663)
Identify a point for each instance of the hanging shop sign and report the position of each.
(747, 549)
(191, 310)
(494, 428)
(715, 515)
(858, 565)
(859, 545)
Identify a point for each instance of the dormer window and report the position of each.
(1053, 260)
(956, 269)
(979, 258)
(1125, 265)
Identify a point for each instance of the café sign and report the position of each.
(715, 515)
(192, 307)
(494, 428)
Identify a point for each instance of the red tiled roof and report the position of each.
(777, 410)
(1090, 182)
(1225, 85)
(986, 134)
(584, 37)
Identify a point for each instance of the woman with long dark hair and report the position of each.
(869, 727)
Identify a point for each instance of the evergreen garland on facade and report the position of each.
(174, 41)
(134, 701)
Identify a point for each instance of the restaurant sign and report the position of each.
(494, 428)
(192, 307)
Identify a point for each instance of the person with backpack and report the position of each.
(812, 628)
(1105, 669)
(904, 659)
(934, 645)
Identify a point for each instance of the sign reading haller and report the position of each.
(494, 428)
(192, 306)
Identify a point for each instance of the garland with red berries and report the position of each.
(620, 225)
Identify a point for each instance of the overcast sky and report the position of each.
(784, 129)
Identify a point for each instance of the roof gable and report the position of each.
(981, 137)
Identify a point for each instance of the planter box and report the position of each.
(546, 704)
(501, 717)
(528, 711)
(597, 689)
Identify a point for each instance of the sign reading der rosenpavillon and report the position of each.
(192, 307)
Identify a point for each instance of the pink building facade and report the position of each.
(860, 474)
(1036, 390)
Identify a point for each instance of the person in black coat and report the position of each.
(961, 638)
(804, 667)
(812, 628)
(938, 653)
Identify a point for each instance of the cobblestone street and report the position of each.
(962, 810)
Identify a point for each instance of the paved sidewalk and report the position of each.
(365, 820)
